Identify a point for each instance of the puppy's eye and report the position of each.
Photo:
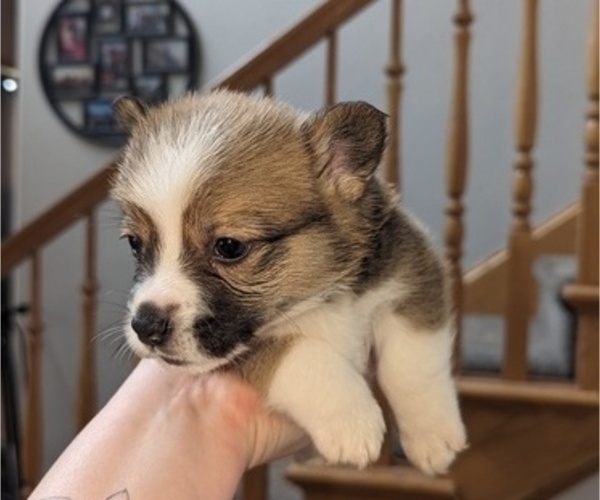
(230, 249)
(135, 243)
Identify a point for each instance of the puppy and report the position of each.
(263, 241)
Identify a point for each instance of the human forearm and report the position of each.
(160, 436)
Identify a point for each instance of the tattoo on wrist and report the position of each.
(119, 495)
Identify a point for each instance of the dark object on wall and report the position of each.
(93, 51)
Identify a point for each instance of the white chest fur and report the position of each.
(320, 381)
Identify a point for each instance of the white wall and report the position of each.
(588, 489)
(50, 160)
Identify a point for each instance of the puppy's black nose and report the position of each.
(151, 324)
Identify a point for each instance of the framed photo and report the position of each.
(149, 19)
(92, 51)
(150, 89)
(107, 16)
(113, 63)
(72, 81)
(72, 36)
(99, 117)
(168, 55)
(74, 7)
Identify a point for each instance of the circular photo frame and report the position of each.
(93, 51)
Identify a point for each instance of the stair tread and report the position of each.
(526, 391)
(401, 478)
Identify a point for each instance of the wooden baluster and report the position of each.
(255, 484)
(457, 160)
(86, 396)
(269, 86)
(32, 431)
(331, 69)
(587, 231)
(394, 71)
(518, 301)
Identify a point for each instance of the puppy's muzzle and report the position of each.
(151, 324)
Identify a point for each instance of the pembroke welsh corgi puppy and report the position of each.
(264, 242)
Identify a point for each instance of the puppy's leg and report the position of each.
(414, 373)
(326, 395)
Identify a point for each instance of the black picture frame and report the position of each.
(99, 117)
(107, 17)
(112, 61)
(148, 19)
(75, 7)
(72, 38)
(166, 55)
(150, 88)
(73, 81)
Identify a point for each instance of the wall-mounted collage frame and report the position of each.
(93, 51)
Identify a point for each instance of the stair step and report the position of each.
(537, 392)
(525, 440)
(376, 482)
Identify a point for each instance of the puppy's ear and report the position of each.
(129, 111)
(348, 140)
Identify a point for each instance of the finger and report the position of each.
(275, 436)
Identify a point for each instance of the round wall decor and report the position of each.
(93, 51)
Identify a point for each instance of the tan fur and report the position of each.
(136, 221)
(260, 367)
(330, 266)
(284, 159)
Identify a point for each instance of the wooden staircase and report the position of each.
(528, 438)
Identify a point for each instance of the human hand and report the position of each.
(169, 434)
(232, 408)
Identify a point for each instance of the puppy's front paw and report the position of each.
(353, 437)
(432, 448)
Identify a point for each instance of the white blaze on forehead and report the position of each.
(173, 165)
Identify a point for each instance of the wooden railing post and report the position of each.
(587, 227)
(255, 483)
(32, 430)
(331, 68)
(268, 86)
(519, 277)
(86, 391)
(520, 241)
(457, 160)
(394, 70)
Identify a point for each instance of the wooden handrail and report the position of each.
(276, 54)
(56, 219)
